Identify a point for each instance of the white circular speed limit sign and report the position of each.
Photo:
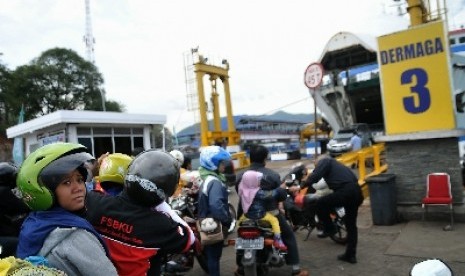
(313, 75)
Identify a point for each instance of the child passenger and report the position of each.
(252, 199)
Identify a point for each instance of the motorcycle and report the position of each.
(185, 205)
(254, 244)
(301, 209)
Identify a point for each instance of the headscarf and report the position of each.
(248, 188)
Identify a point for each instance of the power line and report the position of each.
(284, 106)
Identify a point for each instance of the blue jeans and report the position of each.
(214, 253)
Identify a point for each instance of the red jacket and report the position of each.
(134, 234)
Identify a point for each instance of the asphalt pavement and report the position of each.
(382, 250)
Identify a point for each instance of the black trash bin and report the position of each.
(383, 199)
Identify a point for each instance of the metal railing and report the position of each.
(368, 161)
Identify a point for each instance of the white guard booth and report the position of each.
(99, 131)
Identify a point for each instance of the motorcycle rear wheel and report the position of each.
(341, 232)
(250, 270)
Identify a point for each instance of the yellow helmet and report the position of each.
(114, 167)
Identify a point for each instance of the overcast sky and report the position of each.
(140, 44)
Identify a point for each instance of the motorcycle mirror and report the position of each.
(290, 179)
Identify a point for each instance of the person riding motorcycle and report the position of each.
(252, 200)
(302, 206)
(138, 225)
(112, 171)
(12, 210)
(52, 183)
(346, 193)
(258, 157)
(213, 198)
(184, 163)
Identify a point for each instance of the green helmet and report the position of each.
(114, 167)
(44, 169)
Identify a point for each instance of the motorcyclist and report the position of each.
(258, 156)
(12, 210)
(252, 200)
(193, 182)
(52, 184)
(112, 170)
(180, 157)
(213, 198)
(301, 207)
(296, 213)
(93, 167)
(346, 193)
(138, 225)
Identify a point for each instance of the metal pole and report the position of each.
(163, 138)
(102, 95)
(314, 124)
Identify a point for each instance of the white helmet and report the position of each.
(178, 155)
(192, 176)
(431, 267)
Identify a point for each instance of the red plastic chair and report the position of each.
(438, 192)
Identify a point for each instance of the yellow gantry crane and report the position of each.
(424, 11)
(215, 135)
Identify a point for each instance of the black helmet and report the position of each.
(8, 174)
(152, 176)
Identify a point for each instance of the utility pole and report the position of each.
(90, 41)
(88, 37)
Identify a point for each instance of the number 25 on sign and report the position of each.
(313, 75)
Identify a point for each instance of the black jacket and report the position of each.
(270, 181)
(12, 212)
(134, 234)
(336, 175)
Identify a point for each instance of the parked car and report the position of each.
(340, 143)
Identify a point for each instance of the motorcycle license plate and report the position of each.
(250, 243)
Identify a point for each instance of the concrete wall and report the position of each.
(411, 161)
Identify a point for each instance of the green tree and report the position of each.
(114, 106)
(22, 89)
(5, 75)
(59, 79)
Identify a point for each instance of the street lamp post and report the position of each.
(102, 95)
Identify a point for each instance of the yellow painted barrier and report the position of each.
(242, 160)
(368, 161)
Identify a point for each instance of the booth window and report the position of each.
(102, 140)
(86, 141)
